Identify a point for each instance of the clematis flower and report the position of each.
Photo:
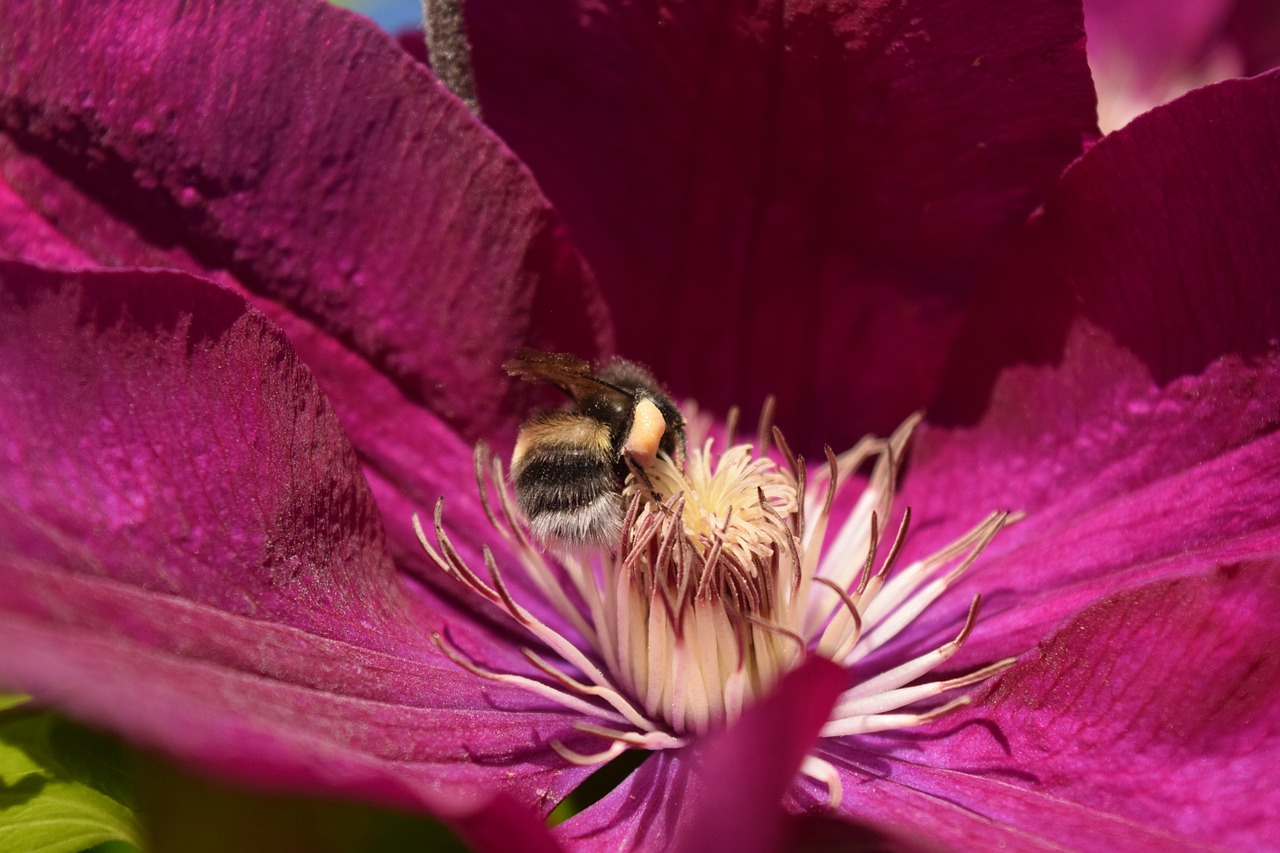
(1144, 54)
(261, 272)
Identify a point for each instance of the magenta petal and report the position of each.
(253, 730)
(189, 555)
(152, 416)
(642, 813)
(26, 234)
(743, 772)
(1150, 721)
(1125, 374)
(789, 198)
(1159, 236)
(1130, 41)
(295, 149)
(403, 250)
(724, 793)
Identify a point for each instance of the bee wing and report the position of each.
(564, 370)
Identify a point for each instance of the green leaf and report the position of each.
(598, 785)
(62, 788)
(12, 700)
(185, 812)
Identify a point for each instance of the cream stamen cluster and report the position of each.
(728, 575)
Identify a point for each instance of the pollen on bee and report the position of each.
(561, 428)
(647, 428)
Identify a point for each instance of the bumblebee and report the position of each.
(569, 466)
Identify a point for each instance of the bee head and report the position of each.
(654, 423)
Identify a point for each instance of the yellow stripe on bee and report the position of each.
(562, 428)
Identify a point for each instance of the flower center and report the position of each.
(727, 575)
(708, 564)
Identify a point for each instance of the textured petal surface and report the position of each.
(1135, 413)
(789, 197)
(189, 555)
(296, 149)
(404, 251)
(642, 813)
(26, 234)
(1150, 721)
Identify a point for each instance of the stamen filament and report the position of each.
(921, 665)
(824, 772)
(587, 760)
(878, 634)
(866, 724)
(903, 696)
(573, 703)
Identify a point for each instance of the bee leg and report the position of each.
(641, 477)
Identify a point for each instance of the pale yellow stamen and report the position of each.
(725, 580)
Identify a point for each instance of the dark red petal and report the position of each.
(822, 830)
(297, 149)
(1159, 237)
(1150, 721)
(1255, 27)
(789, 197)
(189, 555)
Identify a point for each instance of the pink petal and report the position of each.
(190, 556)
(1149, 721)
(24, 233)
(1149, 43)
(789, 198)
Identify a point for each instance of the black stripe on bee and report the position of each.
(567, 496)
(560, 478)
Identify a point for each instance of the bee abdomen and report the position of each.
(568, 493)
